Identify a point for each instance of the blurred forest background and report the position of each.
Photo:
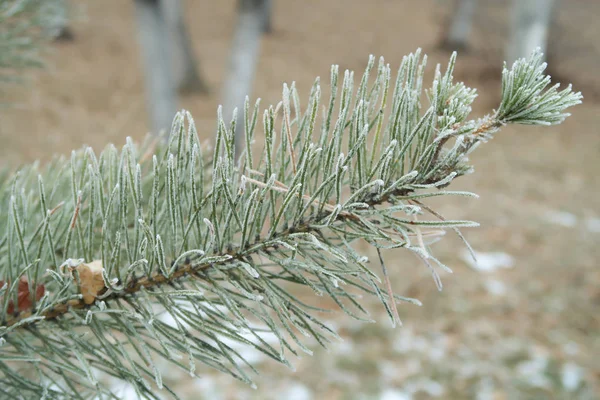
(521, 324)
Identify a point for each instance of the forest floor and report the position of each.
(528, 327)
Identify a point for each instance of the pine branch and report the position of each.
(118, 264)
(24, 27)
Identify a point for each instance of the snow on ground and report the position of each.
(488, 262)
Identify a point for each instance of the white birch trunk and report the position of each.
(156, 63)
(530, 24)
(184, 64)
(460, 26)
(242, 64)
(268, 16)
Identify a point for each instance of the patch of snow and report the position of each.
(485, 389)
(562, 218)
(389, 371)
(593, 225)
(48, 384)
(124, 391)
(393, 394)
(533, 372)
(208, 385)
(168, 319)
(342, 378)
(248, 353)
(420, 344)
(571, 376)
(495, 287)
(571, 348)
(333, 325)
(433, 388)
(468, 370)
(413, 367)
(429, 386)
(404, 342)
(488, 262)
(343, 348)
(437, 353)
(438, 348)
(297, 391)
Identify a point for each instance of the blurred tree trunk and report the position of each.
(268, 16)
(457, 36)
(185, 66)
(153, 35)
(530, 24)
(243, 59)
